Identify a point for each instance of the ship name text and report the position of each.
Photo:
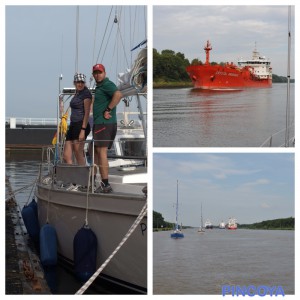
(226, 74)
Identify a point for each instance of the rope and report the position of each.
(12, 193)
(87, 197)
(125, 238)
(48, 200)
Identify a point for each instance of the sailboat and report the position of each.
(118, 219)
(200, 230)
(177, 234)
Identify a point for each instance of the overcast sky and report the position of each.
(232, 31)
(41, 45)
(250, 187)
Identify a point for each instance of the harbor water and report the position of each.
(201, 263)
(244, 118)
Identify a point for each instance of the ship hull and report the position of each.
(218, 77)
(110, 216)
(232, 227)
(177, 235)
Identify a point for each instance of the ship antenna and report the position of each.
(207, 48)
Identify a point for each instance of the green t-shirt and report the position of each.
(103, 94)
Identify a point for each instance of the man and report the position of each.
(107, 97)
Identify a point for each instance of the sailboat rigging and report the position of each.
(177, 234)
(289, 130)
(201, 230)
(68, 207)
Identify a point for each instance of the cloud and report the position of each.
(265, 205)
(262, 181)
(233, 31)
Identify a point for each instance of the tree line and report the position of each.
(169, 66)
(159, 223)
(287, 223)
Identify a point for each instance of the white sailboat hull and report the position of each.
(109, 216)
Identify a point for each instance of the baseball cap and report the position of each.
(98, 67)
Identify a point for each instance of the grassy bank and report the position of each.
(162, 229)
(172, 84)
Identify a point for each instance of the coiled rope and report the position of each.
(125, 238)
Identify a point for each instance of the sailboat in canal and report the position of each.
(201, 230)
(177, 234)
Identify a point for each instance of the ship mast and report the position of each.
(207, 48)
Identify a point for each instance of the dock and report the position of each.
(24, 274)
(29, 133)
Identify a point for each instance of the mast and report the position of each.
(207, 48)
(288, 81)
(177, 208)
(201, 217)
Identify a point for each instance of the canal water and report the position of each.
(202, 263)
(196, 118)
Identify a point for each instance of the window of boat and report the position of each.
(133, 147)
(112, 151)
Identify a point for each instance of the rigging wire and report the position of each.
(94, 47)
(288, 80)
(95, 34)
(104, 34)
(77, 39)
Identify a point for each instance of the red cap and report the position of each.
(99, 67)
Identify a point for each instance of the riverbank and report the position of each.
(172, 85)
(180, 84)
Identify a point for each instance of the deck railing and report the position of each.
(282, 138)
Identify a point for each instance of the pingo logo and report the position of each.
(252, 290)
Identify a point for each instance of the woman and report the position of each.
(79, 127)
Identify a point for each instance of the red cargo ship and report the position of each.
(251, 73)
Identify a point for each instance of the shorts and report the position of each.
(104, 134)
(74, 131)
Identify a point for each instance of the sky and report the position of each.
(232, 30)
(40, 45)
(251, 187)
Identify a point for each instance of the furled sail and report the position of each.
(134, 80)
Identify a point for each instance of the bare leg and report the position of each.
(78, 152)
(103, 161)
(68, 152)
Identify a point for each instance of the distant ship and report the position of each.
(208, 225)
(232, 224)
(250, 73)
(222, 225)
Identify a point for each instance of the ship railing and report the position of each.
(282, 138)
(126, 117)
(124, 152)
(13, 122)
(125, 155)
